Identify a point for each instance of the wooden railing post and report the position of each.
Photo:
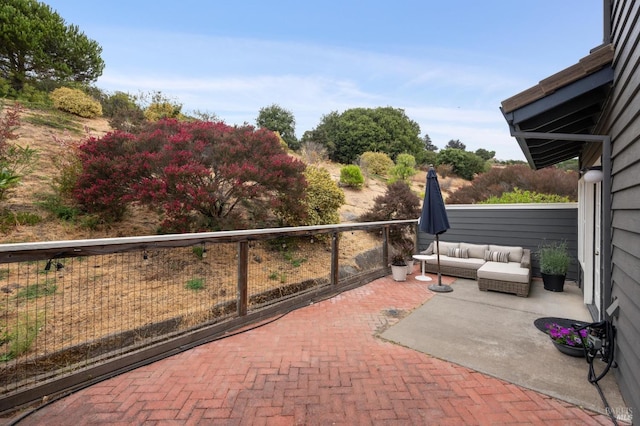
(335, 255)
(385, 245)
(243, 275)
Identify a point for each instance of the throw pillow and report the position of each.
(457, 252)
(496, 256)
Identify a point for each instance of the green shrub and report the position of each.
(69, 166)
(76, 102)
(123, 111)
(376, 163)
(9, 219)
(34, 96)
(324, 198)
(199, 251)
(28, 219)
(351, 175)
(465, 164)
(91, 221)
(54, 204)
(520, 196)
(404, 168)
(158, 111)
(8, 181)
(195, 284)
(159, 106)
(5, 88)
(429, 158)
(554, 258)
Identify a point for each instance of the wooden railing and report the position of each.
(76, 312)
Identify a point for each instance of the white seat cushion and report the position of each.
(504, 272)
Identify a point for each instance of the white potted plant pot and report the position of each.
(399, 272)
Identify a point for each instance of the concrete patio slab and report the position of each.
(493, 333)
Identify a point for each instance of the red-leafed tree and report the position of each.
(110, 166)
(201, 175)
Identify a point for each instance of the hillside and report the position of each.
(38, 132)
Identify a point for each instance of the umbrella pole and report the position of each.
(439, 288)
(438, 249)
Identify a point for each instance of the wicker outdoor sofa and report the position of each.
(500, 268)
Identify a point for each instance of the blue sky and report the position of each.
(448, 64)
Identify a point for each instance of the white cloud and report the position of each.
(234, 78)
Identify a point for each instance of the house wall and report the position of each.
(622, 122)
(522, 225)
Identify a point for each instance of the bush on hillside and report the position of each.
(518, 196)
(76, 102)
(203, 176)
(110, 165)
(351, 176)
(324, 198)
(69, 166)
(158, 111)
(376, 163)
(397, 203)
(430, 159)
(499, 180)
(465, 164)
(404, 168)
(160, 106)
(123, 112)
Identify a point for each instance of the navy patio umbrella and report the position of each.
(434, 220)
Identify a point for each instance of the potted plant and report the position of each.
(567, 340)
(554, 264)
(399, 267)
(407, 249)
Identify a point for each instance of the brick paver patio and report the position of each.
(320, 365)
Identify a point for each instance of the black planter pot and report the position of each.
(553, 282)
(577, 351)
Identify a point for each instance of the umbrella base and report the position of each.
(440, 288)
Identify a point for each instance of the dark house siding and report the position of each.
(526, 225)
(622, 122)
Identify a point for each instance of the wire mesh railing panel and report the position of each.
(69, 311)
(283, 267)
(359, 252)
